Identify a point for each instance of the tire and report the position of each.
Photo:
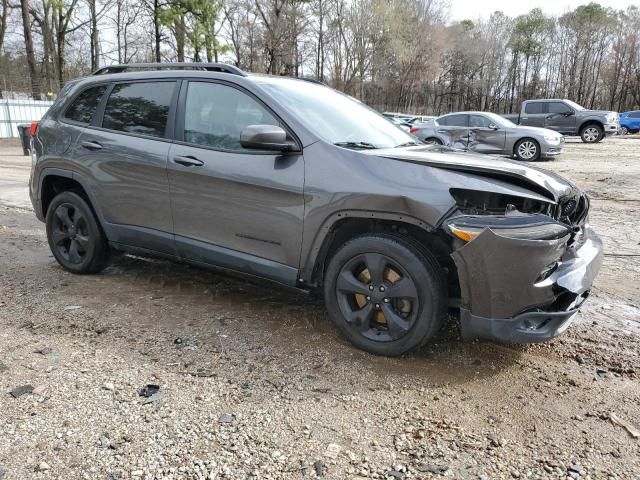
(527, 150)
(384, 294)
(433, 141)
(591, 133)
(624, 131)
(75, 237)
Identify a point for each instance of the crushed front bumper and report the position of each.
(523, 291)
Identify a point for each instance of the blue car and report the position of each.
(630, 122)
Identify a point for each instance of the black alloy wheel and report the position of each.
(385, 293)
(75, 236)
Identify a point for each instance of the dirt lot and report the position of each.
(256, 383)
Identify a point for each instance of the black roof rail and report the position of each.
(211, 67)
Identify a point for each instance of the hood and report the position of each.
(597, 112)
(547, 183)
(536, 130)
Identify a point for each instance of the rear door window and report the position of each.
(141, 108)
(84, 107)
(454, 120)
(534, 108)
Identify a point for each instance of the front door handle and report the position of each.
(188, 161)
(91, 145)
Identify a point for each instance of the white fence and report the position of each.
(14, 112)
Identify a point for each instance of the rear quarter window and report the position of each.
(84, 106)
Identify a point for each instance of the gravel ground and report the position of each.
(254, 382)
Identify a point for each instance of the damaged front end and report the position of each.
(525, 264)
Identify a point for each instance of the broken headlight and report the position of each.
(524, 227)
(478, 202)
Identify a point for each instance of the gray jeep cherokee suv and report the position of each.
(288, 180)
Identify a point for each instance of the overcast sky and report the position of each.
(471, 9)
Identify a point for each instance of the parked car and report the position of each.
(484, 132)
(401, 124)
(568, 118)
(290, 181)
(630, 122)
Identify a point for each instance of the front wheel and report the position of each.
(591, 133)
(527, 150)
(624, 131)
(384, 294)
(75, 236)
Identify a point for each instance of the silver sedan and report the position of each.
(484, 132)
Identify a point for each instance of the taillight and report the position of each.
(33, 129)
(413, 129)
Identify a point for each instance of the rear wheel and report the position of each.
(527, 149)
(591, 133)
(384, 294)
(433, 141)
(75, 236)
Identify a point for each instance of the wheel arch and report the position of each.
(54, 181)
(521, 139)
(346, 225)
(590, 121)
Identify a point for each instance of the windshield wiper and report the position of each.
(408, 144)
(360, 145)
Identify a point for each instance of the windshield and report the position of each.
(334, 116)
(499, 120)
(574, 105)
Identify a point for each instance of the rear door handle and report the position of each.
(91, 145)
(188, 161)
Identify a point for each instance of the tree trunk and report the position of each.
(156, 27)
(28, 43)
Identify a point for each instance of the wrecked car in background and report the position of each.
(293, 182)
(484, 132)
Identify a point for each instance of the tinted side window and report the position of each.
(634, 115)
(454, 120)
(557, 107)
(141, 108)
(534, 107)
(84, 106)
(215, 115)
(479, 121)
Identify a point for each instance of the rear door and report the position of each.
(484, 135)
(560, 117)
(123, 159)
(533, 115)
(453, 130)
(233, 207)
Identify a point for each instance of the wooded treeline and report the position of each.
(400, 55)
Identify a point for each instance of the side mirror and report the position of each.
(493, 126)
(265, 137)
(569, 113)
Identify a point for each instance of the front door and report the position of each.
(560, 117)
(454, 130)
(233, 207)
(484, 135)
(123, 159)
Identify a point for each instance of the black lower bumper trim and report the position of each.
(528, 327)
